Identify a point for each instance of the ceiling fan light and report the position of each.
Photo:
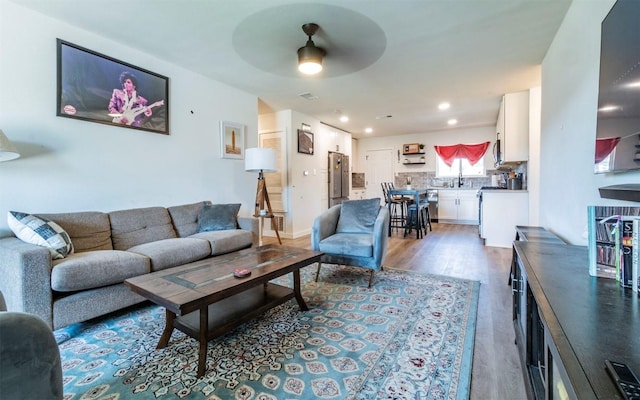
(310, 58)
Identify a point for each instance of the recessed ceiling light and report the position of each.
(452, 121)
(608, 108)
(444, 106)
(344, 118)
(368, 130)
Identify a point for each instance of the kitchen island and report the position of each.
(500, 212)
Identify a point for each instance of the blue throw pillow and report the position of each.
(358, 216)
(218, 217)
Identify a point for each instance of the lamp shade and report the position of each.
(7, 150)
(259, 159)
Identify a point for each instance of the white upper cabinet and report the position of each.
(513, 127)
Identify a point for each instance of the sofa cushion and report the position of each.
(88, 230)
(351, 244)
(140, 225)
(169, 253)
(218, 217)
(185, 217)
(358, 216)
(226, 241)
(92, 269)
(40, 231)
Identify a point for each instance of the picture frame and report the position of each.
(305, 142)
(411, 148)
(232, 140)
(91, 87)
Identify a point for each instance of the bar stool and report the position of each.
(417, 215)
(397, 207)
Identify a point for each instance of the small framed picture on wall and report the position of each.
(305, 142)
(231, 140)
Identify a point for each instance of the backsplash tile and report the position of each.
(357, 179)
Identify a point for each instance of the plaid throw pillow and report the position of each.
(40, 231)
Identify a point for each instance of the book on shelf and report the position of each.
(635, 256)
(625, 250)
(611, 252)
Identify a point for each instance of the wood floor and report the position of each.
(456, 250)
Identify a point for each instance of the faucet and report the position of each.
(460, 180)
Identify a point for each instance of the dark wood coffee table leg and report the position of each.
(296, 290)
(168, 330)
(202, 338)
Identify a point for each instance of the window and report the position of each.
(468, 170)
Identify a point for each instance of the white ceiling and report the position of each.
(384, 57)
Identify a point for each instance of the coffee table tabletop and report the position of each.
(223, 301)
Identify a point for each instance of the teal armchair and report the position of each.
(30, 366)
(352, 233)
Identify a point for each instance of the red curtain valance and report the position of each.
(472, 152)
(604, 147)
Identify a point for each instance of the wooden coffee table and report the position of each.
(204, 300)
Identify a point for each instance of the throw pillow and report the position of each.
(218, 217)
(358, 216)
(40, 231)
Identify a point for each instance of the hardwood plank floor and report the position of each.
(456, 250)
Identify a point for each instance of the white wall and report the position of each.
(439, 138)
(568, 129)
(307, 191)
(73, 165)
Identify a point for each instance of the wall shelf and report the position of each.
(630, 192)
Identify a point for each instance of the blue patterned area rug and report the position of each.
(409, 337)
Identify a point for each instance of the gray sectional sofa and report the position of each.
(108, 248)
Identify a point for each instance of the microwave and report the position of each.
(497, 155)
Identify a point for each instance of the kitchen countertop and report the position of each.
(453, 188)
(500, 191)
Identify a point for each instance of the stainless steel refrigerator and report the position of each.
(338, 178)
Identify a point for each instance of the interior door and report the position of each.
(276, 182)
(378, 169)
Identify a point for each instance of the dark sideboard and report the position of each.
(567, 323)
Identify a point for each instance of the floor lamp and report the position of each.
(262, 160)
(7, 149)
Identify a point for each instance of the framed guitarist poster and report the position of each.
(97, 88)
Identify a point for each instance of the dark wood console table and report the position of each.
(568, 322)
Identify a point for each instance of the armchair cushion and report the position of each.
(358, 216)
(348, 244)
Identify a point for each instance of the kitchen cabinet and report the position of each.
(502, 211)
(358, 194)
(513, 127)
(339, 141)
(458, 206)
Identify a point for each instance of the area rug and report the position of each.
(409, 337)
